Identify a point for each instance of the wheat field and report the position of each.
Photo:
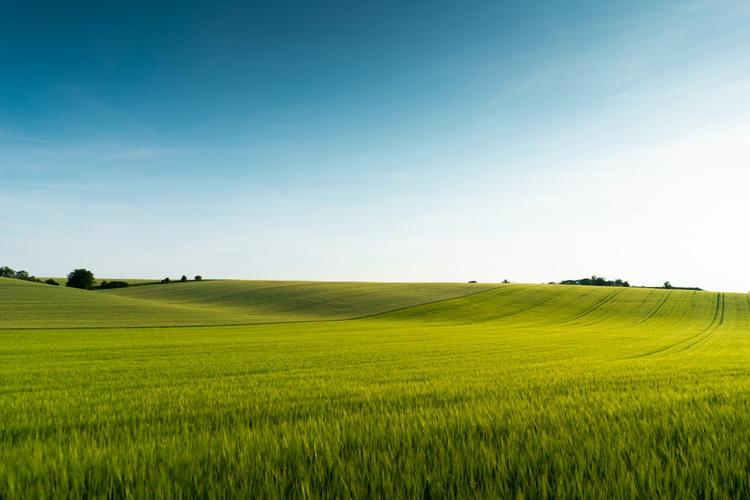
(373, 390)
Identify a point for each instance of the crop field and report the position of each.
(298, 389)
(28, 305)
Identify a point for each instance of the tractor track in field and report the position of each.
(694, 340)
(534, 306)
(718, 320)
(654, 310)
(594, 306)
(404, 308)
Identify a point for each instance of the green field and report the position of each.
(32, 305)
(373, 390)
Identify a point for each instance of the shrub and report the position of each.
(50, 281)
(80, 278)
(113, 284)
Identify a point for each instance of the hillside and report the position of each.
(582, 306)
(630, 322)
(33, 305)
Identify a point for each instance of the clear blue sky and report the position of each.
(434, 141)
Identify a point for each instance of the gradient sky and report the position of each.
(393, 141)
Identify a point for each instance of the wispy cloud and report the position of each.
(31, 140)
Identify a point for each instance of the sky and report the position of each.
(378, 141)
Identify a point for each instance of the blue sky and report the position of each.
(432, 141)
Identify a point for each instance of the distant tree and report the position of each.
(50, 281)
(472, 281)
(184, 278)
(80, 278)
(596, 281)
(506, 281)
(6, 272)
(165, 280)
(667, 284)
(198, 277)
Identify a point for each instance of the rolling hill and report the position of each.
(431, 390)
(33, 305)
(230, 302)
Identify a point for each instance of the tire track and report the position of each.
(414, 306)
(654, 310)
(716, 321)
(533, 306)
(594, 306)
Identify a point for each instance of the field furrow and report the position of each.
(657, 306)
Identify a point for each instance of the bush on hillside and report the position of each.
(50, 281)
(113, 284)
(7, 272)
(80, 278)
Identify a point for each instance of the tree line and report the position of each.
(183, 279)
(601, 281)
(7, 272)
(78, 278)
(596, 281)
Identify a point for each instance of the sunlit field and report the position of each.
(300, 389)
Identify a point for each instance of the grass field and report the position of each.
(33, 305)
(439, 391)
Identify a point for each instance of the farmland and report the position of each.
(29, 305)
(279, 389)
